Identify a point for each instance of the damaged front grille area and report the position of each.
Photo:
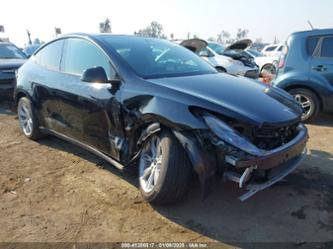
(268, 138)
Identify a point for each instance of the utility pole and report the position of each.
(29, 37)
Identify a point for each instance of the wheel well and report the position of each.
(18, 96)
(308, 88)
(266, 65)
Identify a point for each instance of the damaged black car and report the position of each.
(155, 104)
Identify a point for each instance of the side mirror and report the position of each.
(95, 75)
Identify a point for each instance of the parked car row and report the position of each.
(230, 59)
(236, 59)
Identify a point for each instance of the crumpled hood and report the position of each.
(236, 97)
(194, 44)
(11, 63)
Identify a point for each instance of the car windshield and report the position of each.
(8, 51)
(218, 48)
(154, 58)
(255, 53)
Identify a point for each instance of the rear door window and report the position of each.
(50, 56)
(312, 44)
(327, 47)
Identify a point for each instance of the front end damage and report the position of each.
(255, 158)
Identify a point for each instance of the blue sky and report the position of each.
(205, 18)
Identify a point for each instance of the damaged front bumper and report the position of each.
(241, 167)
(272, 158)
(278, 163)
(274, 176)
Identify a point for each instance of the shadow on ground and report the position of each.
(324, 120)
(6, 107)
(297, 209)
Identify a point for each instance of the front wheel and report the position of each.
(164, 169)
(309, 101)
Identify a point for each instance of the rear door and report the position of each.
(44, 81)
(322, 64)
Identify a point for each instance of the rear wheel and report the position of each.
(27, 119)
(164, 169)
(309, 101)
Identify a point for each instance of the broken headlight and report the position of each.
(229, 135)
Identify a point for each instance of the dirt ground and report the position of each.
(53, 191)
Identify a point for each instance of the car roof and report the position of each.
(314, 32)
(98, 35)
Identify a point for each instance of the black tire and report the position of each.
(311, 115)
(175, 171)
(35, 133)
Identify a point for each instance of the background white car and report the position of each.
(267, 63)
(230, 60)
(274, 50)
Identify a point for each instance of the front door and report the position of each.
(89, 108)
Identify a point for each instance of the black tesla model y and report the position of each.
(151, 103)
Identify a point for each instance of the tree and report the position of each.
(223, 37)
(105, 27)
(37, 41)
(154, 30)
(241, 33)
(258, 40)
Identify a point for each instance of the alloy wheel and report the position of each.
(150, 164)
(306, 103)
(25, 118)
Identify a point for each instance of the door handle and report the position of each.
(319, 68)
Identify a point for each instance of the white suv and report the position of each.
(273, 50)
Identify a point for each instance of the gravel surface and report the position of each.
(53, 191)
